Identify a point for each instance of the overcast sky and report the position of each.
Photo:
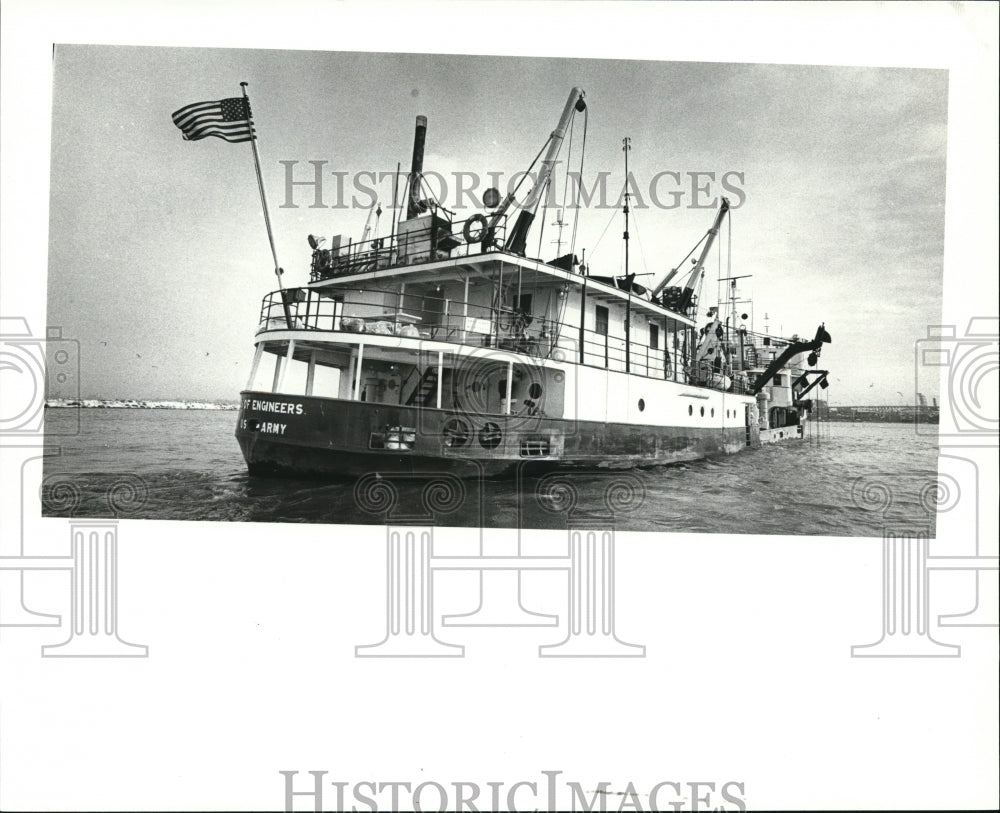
(159, 258)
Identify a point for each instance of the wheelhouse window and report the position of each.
(602, 320)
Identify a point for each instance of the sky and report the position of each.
(158, 256)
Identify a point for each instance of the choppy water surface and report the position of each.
(186, 464)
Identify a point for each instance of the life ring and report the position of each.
(467, 231)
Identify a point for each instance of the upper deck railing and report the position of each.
(423, 239)
(476, 325)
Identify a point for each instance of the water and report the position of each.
(186, 465)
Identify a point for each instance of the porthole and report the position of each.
(690, 410)
(456, 433)
(703, 412)
(713, 412)
(489, 436)
(642, 404)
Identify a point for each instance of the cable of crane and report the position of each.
(579, 180)
(692, 251)
(569, 157)
(729, 248)
(614, 214)
(638, 239)
(545, 203)
(528, 173)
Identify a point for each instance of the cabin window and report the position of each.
(654, 336)
(777, 380)
(524, 304)
(601, 314)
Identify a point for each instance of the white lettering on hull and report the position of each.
(284, 407)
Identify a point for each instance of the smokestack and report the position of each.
(416, 167)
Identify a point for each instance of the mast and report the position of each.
(731, 307)
(278, 271)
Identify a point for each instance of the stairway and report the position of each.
(425, 393)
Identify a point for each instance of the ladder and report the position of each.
(426, 390)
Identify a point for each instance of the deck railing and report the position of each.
(422, 239)
(476, 325)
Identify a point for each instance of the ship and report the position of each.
(444, 346)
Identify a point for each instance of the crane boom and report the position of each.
(699, 267)
(666, 282)
(518, 235)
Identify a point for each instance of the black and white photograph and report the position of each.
(586, 356)
(441, 265)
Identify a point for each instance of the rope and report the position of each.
(545, 217)
(528, 173)
(545, 204)
(613, 215)
(579, 180)
(692, 251)
(719, 270)
(729, 248)
(569, 156)
(638, 239)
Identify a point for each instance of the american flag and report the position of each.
(228, 119)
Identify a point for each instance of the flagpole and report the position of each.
(260, 185)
